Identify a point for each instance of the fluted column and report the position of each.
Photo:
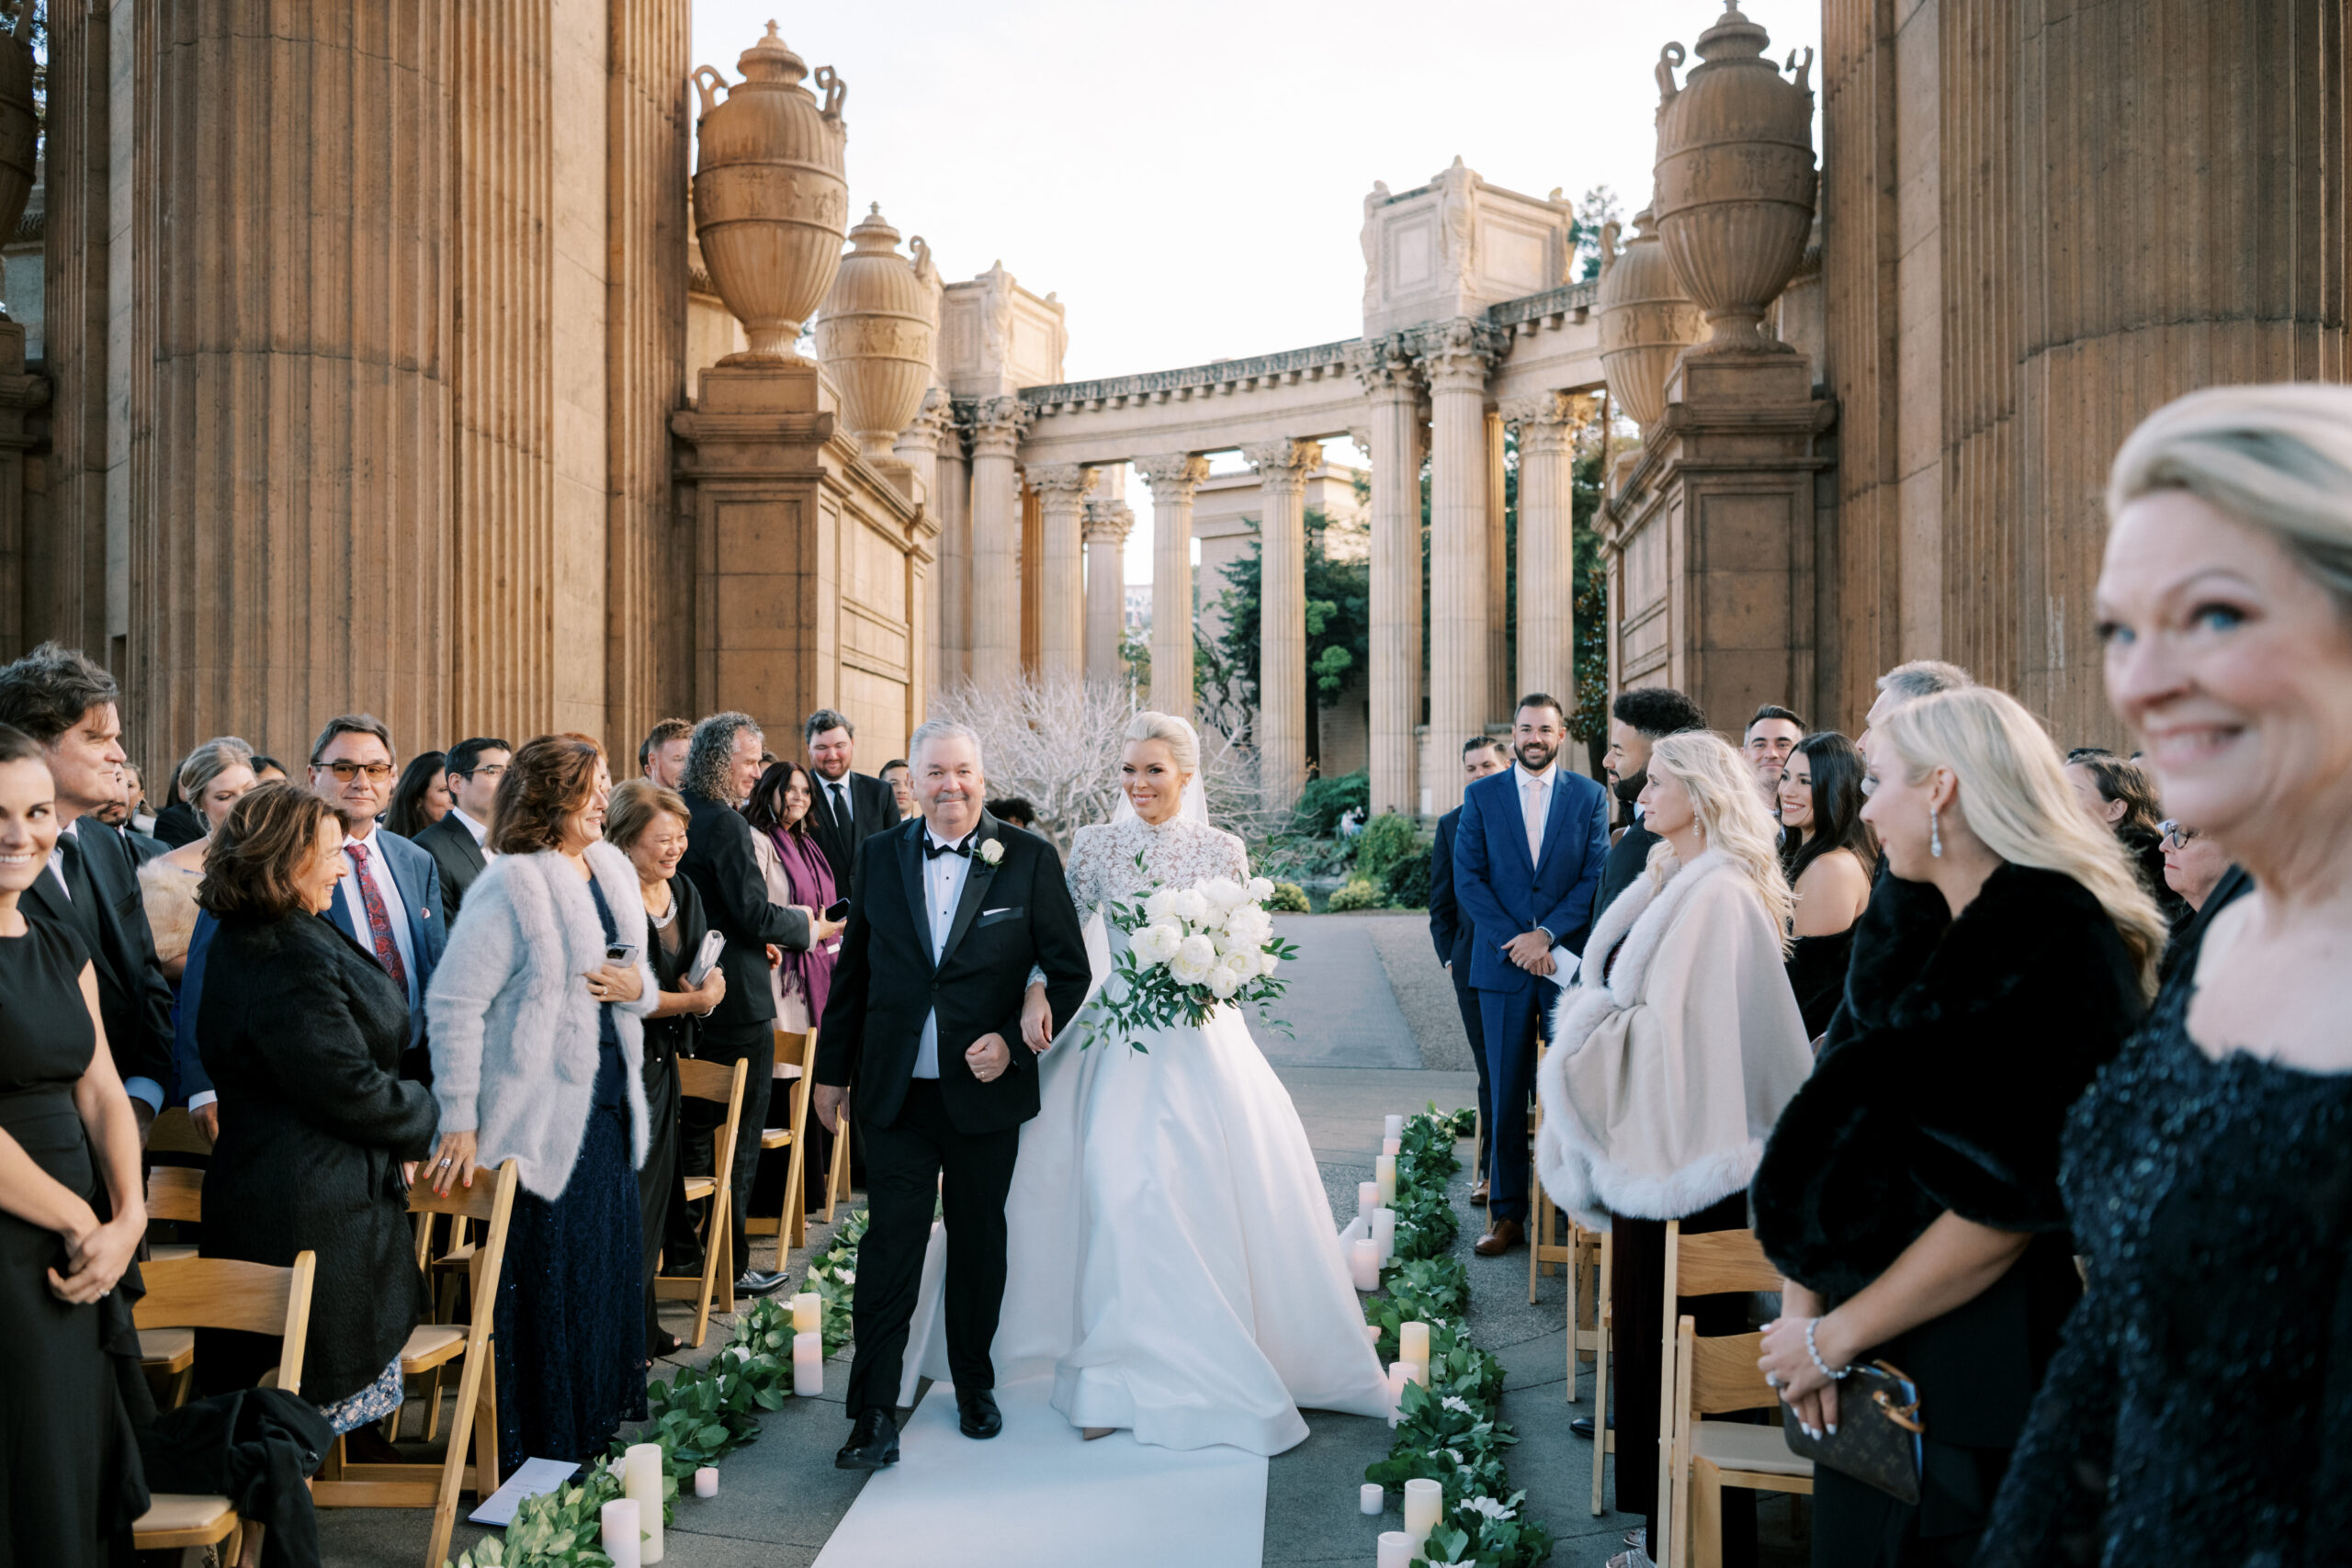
(1061, 596)
(1455, 364)
(1109, 521)
(1547, 424)
(951, 496)
(996, 424)
(1283, 466)
(1173, 479)
(1393, 441)
(918, 447)
(292, 559)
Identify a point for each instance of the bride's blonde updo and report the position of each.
(1184, 748)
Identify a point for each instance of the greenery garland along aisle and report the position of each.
(1450, 1432)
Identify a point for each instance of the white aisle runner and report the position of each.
(1039, 1495)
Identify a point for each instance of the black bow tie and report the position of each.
(933, 849)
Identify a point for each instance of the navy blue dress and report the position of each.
(571, 1303)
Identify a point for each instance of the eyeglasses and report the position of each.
(346, 772)
(2175, 836)
(483, 771)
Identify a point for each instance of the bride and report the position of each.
(1172, 1258)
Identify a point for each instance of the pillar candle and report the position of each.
(619, 1536)
(808, 1364)
(1383, 1234)
(706, 1480)
(1367, 1198)
(1363, 1264)
(1397, 1549)
(1424, 1504)
(1392, 1146)
(641, 1484)
(1370, 1498)
(807, 1312)
(1384, 1172)
(1413, 1342)
(1372, 1332)
(1394, 1127)
(1416, 1371)
(1396, 1391)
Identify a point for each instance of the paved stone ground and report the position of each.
(1375, 1032)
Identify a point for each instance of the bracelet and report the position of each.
(1815, 1351)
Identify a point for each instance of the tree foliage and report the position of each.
(1339, 620)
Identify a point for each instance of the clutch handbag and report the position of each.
(1877, 1440)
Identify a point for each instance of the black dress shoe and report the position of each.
(752, 1282)
(976, 1415)
(873, 1442)
(1582, 1427)
(661, 1343)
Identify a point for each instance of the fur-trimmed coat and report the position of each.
(1670, 1066)
(1960, 1049)
(512, 1027)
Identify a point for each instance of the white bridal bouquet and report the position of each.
(1190, 950)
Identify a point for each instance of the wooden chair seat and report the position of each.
(459, 1257)
(171, 1252)
(785, 1069)
(432, 1345)
(167, 1349)
(183, 1519)
(1738, 1445)
(775, 1137)
(700, 1187)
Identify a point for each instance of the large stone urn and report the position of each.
(769, 199)
(1735, 178)
(1647, 319)
(19, 130)
(874, 332)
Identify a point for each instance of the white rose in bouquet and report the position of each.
(1190, 907)
(1260, 888)
(1223, 982)
(1244, 963)
(1194, 960)
(1159, 906)
(1156, 943)
(1224, 894)
(1248, 925)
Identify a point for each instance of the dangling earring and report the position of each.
(1935, 835)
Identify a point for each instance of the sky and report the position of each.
(1188, 177)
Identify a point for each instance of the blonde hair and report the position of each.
(2277, 459)
(1183, 746)
(1731, 816)
(208, 762)
(2014, 792)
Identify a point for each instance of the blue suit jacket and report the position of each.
(1502, 894)
(417, 876)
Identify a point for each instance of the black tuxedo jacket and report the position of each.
(1627, 858)
(872, 809)
(725, 871)
(1450, 927)
(134, 1000)
(461, 859)
(1011, 916)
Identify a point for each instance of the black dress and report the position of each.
(1817, 974)
(571, 1300)
(661, 1185)
(2199, 1410)
(69, 1482)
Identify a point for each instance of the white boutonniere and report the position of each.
(991, 850)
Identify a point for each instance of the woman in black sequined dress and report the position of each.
(1828, 856)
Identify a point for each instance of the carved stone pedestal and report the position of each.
(1710, 538)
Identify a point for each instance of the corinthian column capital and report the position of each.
(1109, 521)
(1282, 465)
(1548, 422)
(998, 425)
(1173, 476)
(1061, 481)
(1455, 355)
(1386, 366)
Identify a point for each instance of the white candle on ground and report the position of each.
(808, 1364)
(807, 1312)
(1396, 1391)
(1397, 1549)
(1383, 1234)
(1394, 1127)
(1367, 1198)
(641, 1484)
(1415, 1371)
(619, 1535)
(1413, 1342)
(1424, 1502)
(706, 1480)
(1372, 1332)
(1384, 1172)
(1363, 1264)
(1392, 1146)
(1370, 1498)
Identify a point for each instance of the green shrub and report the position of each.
(1322, 801)
(1407, 882)
(1386, 839)
(1356, 893)
(1289, 898)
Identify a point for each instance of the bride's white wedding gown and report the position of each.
(1172, 1258)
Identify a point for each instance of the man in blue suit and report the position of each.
(389, 901)
(1527, 858)
(1449, 930)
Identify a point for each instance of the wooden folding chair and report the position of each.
(1713, 1376)
(431, 1346)
(176, 1133)
(722, 1086)
(174, 1192)
(1604, 1437)
(792, 1066)
(837, 1173)
(221, 1293)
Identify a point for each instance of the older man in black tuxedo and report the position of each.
(925, 1019)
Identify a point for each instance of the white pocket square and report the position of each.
(985, 913)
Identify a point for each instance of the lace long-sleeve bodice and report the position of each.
(1179, 852)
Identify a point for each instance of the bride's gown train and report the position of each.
(1172, 1260)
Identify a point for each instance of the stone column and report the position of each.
(918, 446)
(1061, 597)
(1283, 466)
(996, 424)
(1173, 479)
(1392, 440)
(1547, 423)
(20, 395)
(1109, 521)
(1456, 364)
(1501, 696)
(64, 570)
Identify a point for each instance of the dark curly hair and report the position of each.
(1658, 711)
(551, 777)
(251, 859)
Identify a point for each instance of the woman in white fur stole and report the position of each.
(1669, 1062)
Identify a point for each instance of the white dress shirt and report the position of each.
(837, 801)
(395, 907)
(1536, 805)
(480, 830)
(943, 883)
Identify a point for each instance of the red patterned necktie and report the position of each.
(380, 920)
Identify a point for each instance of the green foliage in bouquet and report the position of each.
(1189, 951)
